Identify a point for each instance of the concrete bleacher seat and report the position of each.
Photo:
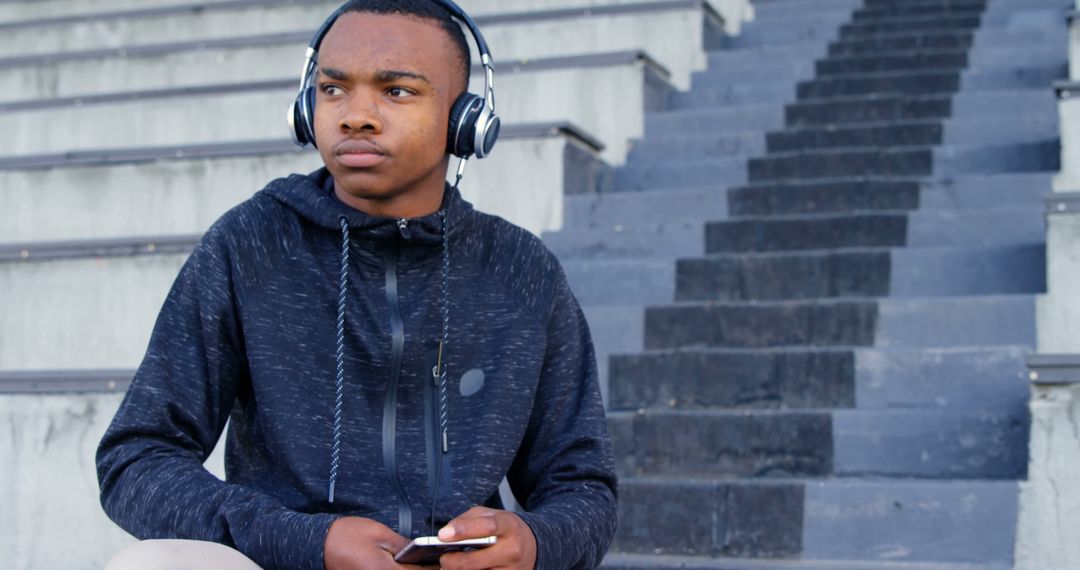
(36, 9)
(596, 92)
(286, 28)
(182, 190)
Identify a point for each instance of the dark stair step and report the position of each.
(769, 277)
(988, 226)
(989, 378)
(905, 272)
(759, 443)
(761, 325)
(907, 9)
(931, 322)
(916, 82)
(826, 196)
(855, 135)
(889, 43)
(697, 379)
(807, 233)
(893, 61)
(917, 24)
(934, 443)
(709, 518)
(826, 524)
(862, 109)
(836, 163)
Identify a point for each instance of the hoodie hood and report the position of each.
(312, 197)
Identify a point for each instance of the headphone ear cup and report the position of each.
(462, 128)
(296, 129)
(309, 116)
(300, 118)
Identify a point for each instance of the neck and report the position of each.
(415, 204)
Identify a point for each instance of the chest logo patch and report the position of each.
(472, 382)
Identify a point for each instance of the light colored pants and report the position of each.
(179, 555)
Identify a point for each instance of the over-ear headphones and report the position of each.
(474, 126)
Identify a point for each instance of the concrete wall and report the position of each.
(48, 450)
(1074, 49)
(1059, 310)
(1068, 179)
(1050, 498)
(53, 519)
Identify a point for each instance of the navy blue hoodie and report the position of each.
(249, 333)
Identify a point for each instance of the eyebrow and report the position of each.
(382, 76)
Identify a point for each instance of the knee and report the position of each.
(179, 555)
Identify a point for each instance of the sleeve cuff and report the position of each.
(545, 534)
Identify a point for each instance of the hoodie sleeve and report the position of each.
(150, 461)
(565, 469)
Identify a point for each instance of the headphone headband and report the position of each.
(474, 126)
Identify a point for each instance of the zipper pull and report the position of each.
(403, 227)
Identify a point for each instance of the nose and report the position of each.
(361, 113)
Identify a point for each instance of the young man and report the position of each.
(385, 353)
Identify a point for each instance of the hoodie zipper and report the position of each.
(389, 443)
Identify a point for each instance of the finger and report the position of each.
(477, 522)
(501, 554)
(414, 567)
(392, 542)
(470, 527)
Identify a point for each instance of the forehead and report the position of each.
(359, 40)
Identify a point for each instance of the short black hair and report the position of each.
(428, 10)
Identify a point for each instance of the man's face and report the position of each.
(385, 86)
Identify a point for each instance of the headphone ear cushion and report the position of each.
(462, 129)
(309, 116)
(300, 118)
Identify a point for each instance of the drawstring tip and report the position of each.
(445, 442)
(332, 483)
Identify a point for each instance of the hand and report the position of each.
(355, 543)
(516, 546)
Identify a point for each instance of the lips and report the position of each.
(359, 154)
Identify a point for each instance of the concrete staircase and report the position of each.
(816, 276)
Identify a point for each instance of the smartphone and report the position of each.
(426, 550)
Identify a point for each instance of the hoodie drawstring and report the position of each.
(335, 454)
(444, 397)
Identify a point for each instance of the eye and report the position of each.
(331, 89)
(400, 92)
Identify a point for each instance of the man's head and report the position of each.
(388, 74)
(428, 10)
